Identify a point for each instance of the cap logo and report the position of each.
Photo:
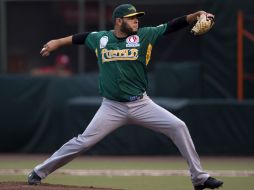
(132, 41)
(132, 8)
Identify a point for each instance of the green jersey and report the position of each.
(123, 61)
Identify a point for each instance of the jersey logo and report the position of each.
(119, 55)
(132, 41)
(103, 41)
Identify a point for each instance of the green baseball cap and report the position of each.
(126, 10)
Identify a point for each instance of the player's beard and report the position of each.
(125, 28)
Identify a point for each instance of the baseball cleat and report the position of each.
(34, 179)
(210, 183)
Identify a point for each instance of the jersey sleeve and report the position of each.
(92, 40)
(154, 33)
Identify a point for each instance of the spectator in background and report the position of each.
(59, 68)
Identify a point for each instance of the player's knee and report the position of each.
(181, 126)
(87, 141)
(81, 142)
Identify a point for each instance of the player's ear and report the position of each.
(118, 21)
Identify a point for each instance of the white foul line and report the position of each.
(132, 172)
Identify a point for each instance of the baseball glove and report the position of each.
(204, 23)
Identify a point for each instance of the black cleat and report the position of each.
(34, 179)
(210, 183)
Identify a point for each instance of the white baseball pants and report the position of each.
(112, 115)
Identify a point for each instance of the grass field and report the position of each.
(137, 163)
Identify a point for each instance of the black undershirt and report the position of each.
(176, 24)
(172, 26)
(79, 38)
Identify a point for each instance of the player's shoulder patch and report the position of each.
(103, 41)
(104, 38)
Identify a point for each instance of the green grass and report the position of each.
(208, 164)
(140, 182)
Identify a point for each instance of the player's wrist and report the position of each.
(199, 13)
(191, 18)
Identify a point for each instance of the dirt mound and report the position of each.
(25, 186)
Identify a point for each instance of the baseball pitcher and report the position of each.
(123, 55)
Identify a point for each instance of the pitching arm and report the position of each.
(53, 45)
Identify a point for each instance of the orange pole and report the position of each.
(240, 70)
(248, 35)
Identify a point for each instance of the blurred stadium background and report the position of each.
(207, 81)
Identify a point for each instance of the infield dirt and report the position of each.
(25, 186)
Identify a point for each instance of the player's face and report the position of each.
(129, 25)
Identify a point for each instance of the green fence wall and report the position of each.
(39, 114)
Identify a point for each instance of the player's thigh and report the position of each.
(157, 118)
(109, 117)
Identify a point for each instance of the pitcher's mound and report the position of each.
(25, 186)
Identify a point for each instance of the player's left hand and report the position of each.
(205, 22)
